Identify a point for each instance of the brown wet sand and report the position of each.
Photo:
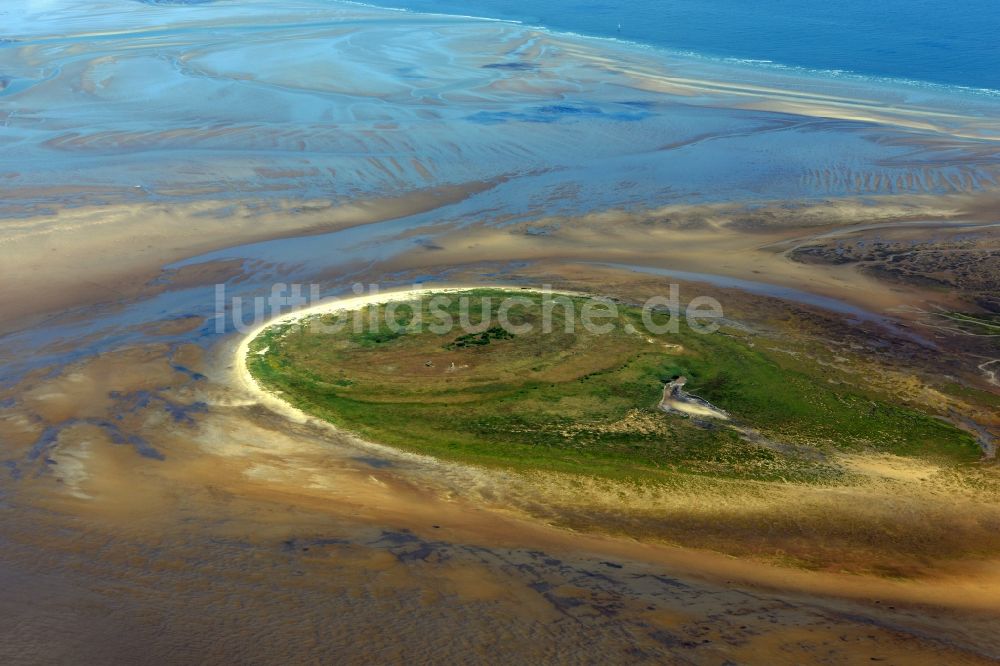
(258, 539)
(106, 255)
(285, 551)
(152, 510)
(98, 254)
(310, 588)
(721, 240)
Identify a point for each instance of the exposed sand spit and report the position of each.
(122, 249)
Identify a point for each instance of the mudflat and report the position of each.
(169, 168)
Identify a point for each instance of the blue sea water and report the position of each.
(950, 43)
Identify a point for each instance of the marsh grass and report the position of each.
(585, 403)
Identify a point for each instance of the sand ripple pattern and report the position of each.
(114, 101)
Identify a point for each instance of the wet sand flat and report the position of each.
(153, 505)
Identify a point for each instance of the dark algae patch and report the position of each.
(480, 339)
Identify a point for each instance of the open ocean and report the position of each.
(916, 40)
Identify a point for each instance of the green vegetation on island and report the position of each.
(581, 401)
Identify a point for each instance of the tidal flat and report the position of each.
(163, 159)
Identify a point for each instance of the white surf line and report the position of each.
(331, 306)
(275, 403)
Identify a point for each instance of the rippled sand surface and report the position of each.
(150, 506)
(131, 101)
